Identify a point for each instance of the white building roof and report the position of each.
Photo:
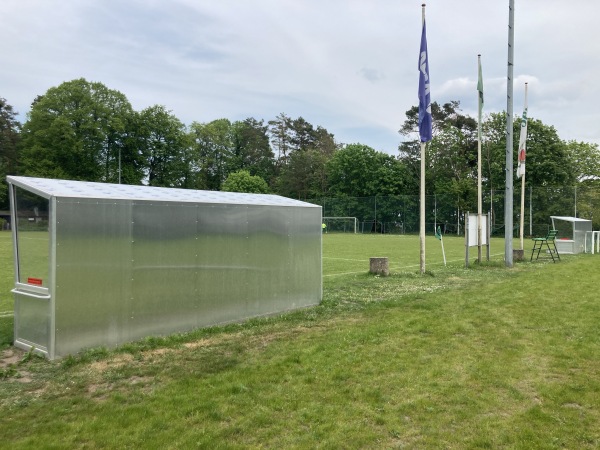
(48, 188)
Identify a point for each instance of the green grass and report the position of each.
(484, 357)
(7, 280)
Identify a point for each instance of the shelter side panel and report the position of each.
(127, 270)
(93, 274)
(164, 268)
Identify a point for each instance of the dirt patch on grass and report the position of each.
(10, 357)
(10, 360)
(112, 363)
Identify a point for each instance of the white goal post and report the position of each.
(341, 224)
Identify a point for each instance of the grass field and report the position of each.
(484, 357)
(7, 281)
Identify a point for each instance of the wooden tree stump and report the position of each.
(379, 266)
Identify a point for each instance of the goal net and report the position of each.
(340, 224)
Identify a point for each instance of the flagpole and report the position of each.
(422, 188)
(422, 212)
(522, 223)
(479, 205)
(508, 192)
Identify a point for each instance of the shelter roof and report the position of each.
(569, 219)
(48, 188)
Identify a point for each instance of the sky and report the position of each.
(350, 66)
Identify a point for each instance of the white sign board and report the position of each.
(472, 230)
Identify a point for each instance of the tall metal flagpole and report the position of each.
(479, 201)
(424, 130)
(508, 193)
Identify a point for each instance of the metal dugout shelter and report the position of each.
(103, 264)
(574, 234)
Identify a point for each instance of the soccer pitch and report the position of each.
(350, 253)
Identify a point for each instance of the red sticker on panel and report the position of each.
(37, 281)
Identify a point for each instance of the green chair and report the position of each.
(539, 242)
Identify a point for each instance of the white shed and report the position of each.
(574, 234)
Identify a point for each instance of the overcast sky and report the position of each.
(349, 66)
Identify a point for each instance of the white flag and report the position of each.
(523, 142)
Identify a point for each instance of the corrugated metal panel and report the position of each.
(105, 191)
(126, 270)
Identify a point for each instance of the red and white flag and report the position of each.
(523, 141)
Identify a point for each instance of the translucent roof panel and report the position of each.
(83, 189)
(569, 219)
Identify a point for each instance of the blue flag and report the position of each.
(424, 97)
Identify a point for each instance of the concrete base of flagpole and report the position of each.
(518, 255)
(379, 266)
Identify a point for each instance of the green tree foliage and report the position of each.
(251, 149)
(163, 143)
(302, 171)
(304, 176)
(548, 161)
(548, 157)
(584, 160)
(280, 135)
(451, 128)
(588, 201)
(360, 171)
(9, 140)
(213, 152)
(297, 135)
(76, 131)
(243, 181)
(493, 150)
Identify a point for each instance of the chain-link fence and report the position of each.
(400, 214)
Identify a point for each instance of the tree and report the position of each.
(9, 140)
(357, 171)
(584, 160)
(360, 171)
(548, 162)
(304, 176)
(213, 151)
(448, 124)
(251, 149)
(279, 132)
(302, 171)
(242, 181)
(76, 131)
(163, 142)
